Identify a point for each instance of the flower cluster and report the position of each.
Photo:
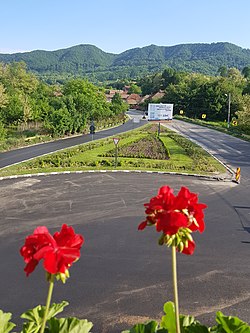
(176, 217)
(58, 251)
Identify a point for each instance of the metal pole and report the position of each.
(116, 153)
(228, 114)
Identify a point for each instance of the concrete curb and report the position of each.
(211, 178)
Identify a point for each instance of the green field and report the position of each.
(140, 149)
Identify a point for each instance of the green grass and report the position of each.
(182, 156)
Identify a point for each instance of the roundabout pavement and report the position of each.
(123, 276)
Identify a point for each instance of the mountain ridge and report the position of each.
(90, 61)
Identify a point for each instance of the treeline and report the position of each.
(198, 94)
(70, 107)
(58, 110)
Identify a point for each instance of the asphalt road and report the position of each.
(232, 151)
(26, 153)
(123, 276)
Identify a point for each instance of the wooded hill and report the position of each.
(90, 61)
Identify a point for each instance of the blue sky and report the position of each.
(116, 26)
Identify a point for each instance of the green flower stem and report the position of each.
(174, 271)
(51, 286)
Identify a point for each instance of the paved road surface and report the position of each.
(123, 276)
(228, 149)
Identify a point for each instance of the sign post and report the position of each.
(159, 129)
(116, 140)
(160, 111)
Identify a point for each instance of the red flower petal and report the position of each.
(189, 250)
(142, 225)
(31, 265)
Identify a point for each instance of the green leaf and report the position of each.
(56, 308)
(188, 324)
(31, 327)
(150, 327)
(195, 328)
(35, 316)
(69, 325)
(186, 321)
(232, 324)
(5, 324)
(168, 321)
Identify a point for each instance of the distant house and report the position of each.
(126, 88)
(57, 93)
(133, 99)
(124, 96)
(145, 98)
(157, 95)
(111, 94)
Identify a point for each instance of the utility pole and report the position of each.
(229, 111)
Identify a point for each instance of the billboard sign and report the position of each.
(160, 111)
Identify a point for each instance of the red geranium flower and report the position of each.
(58, 251)
(175, 216)
(187, 201)
(162, 203)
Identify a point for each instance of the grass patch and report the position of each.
(140, 149)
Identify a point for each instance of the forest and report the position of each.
(88, 61)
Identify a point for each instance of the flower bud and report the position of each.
(181, 246)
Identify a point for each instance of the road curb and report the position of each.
(211, 178)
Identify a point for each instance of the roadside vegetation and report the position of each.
(32, 111)
(140, 149)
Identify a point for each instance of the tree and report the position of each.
(170, 76)
(88, 99)
(246, 72)
(15, 75)
(146, 85)
(3, 131)
(244, 114)
(118, 106)
(234, 74)
(13, 112)
(134, 89)
(59, 122)
(3, 96)
(222, 71)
